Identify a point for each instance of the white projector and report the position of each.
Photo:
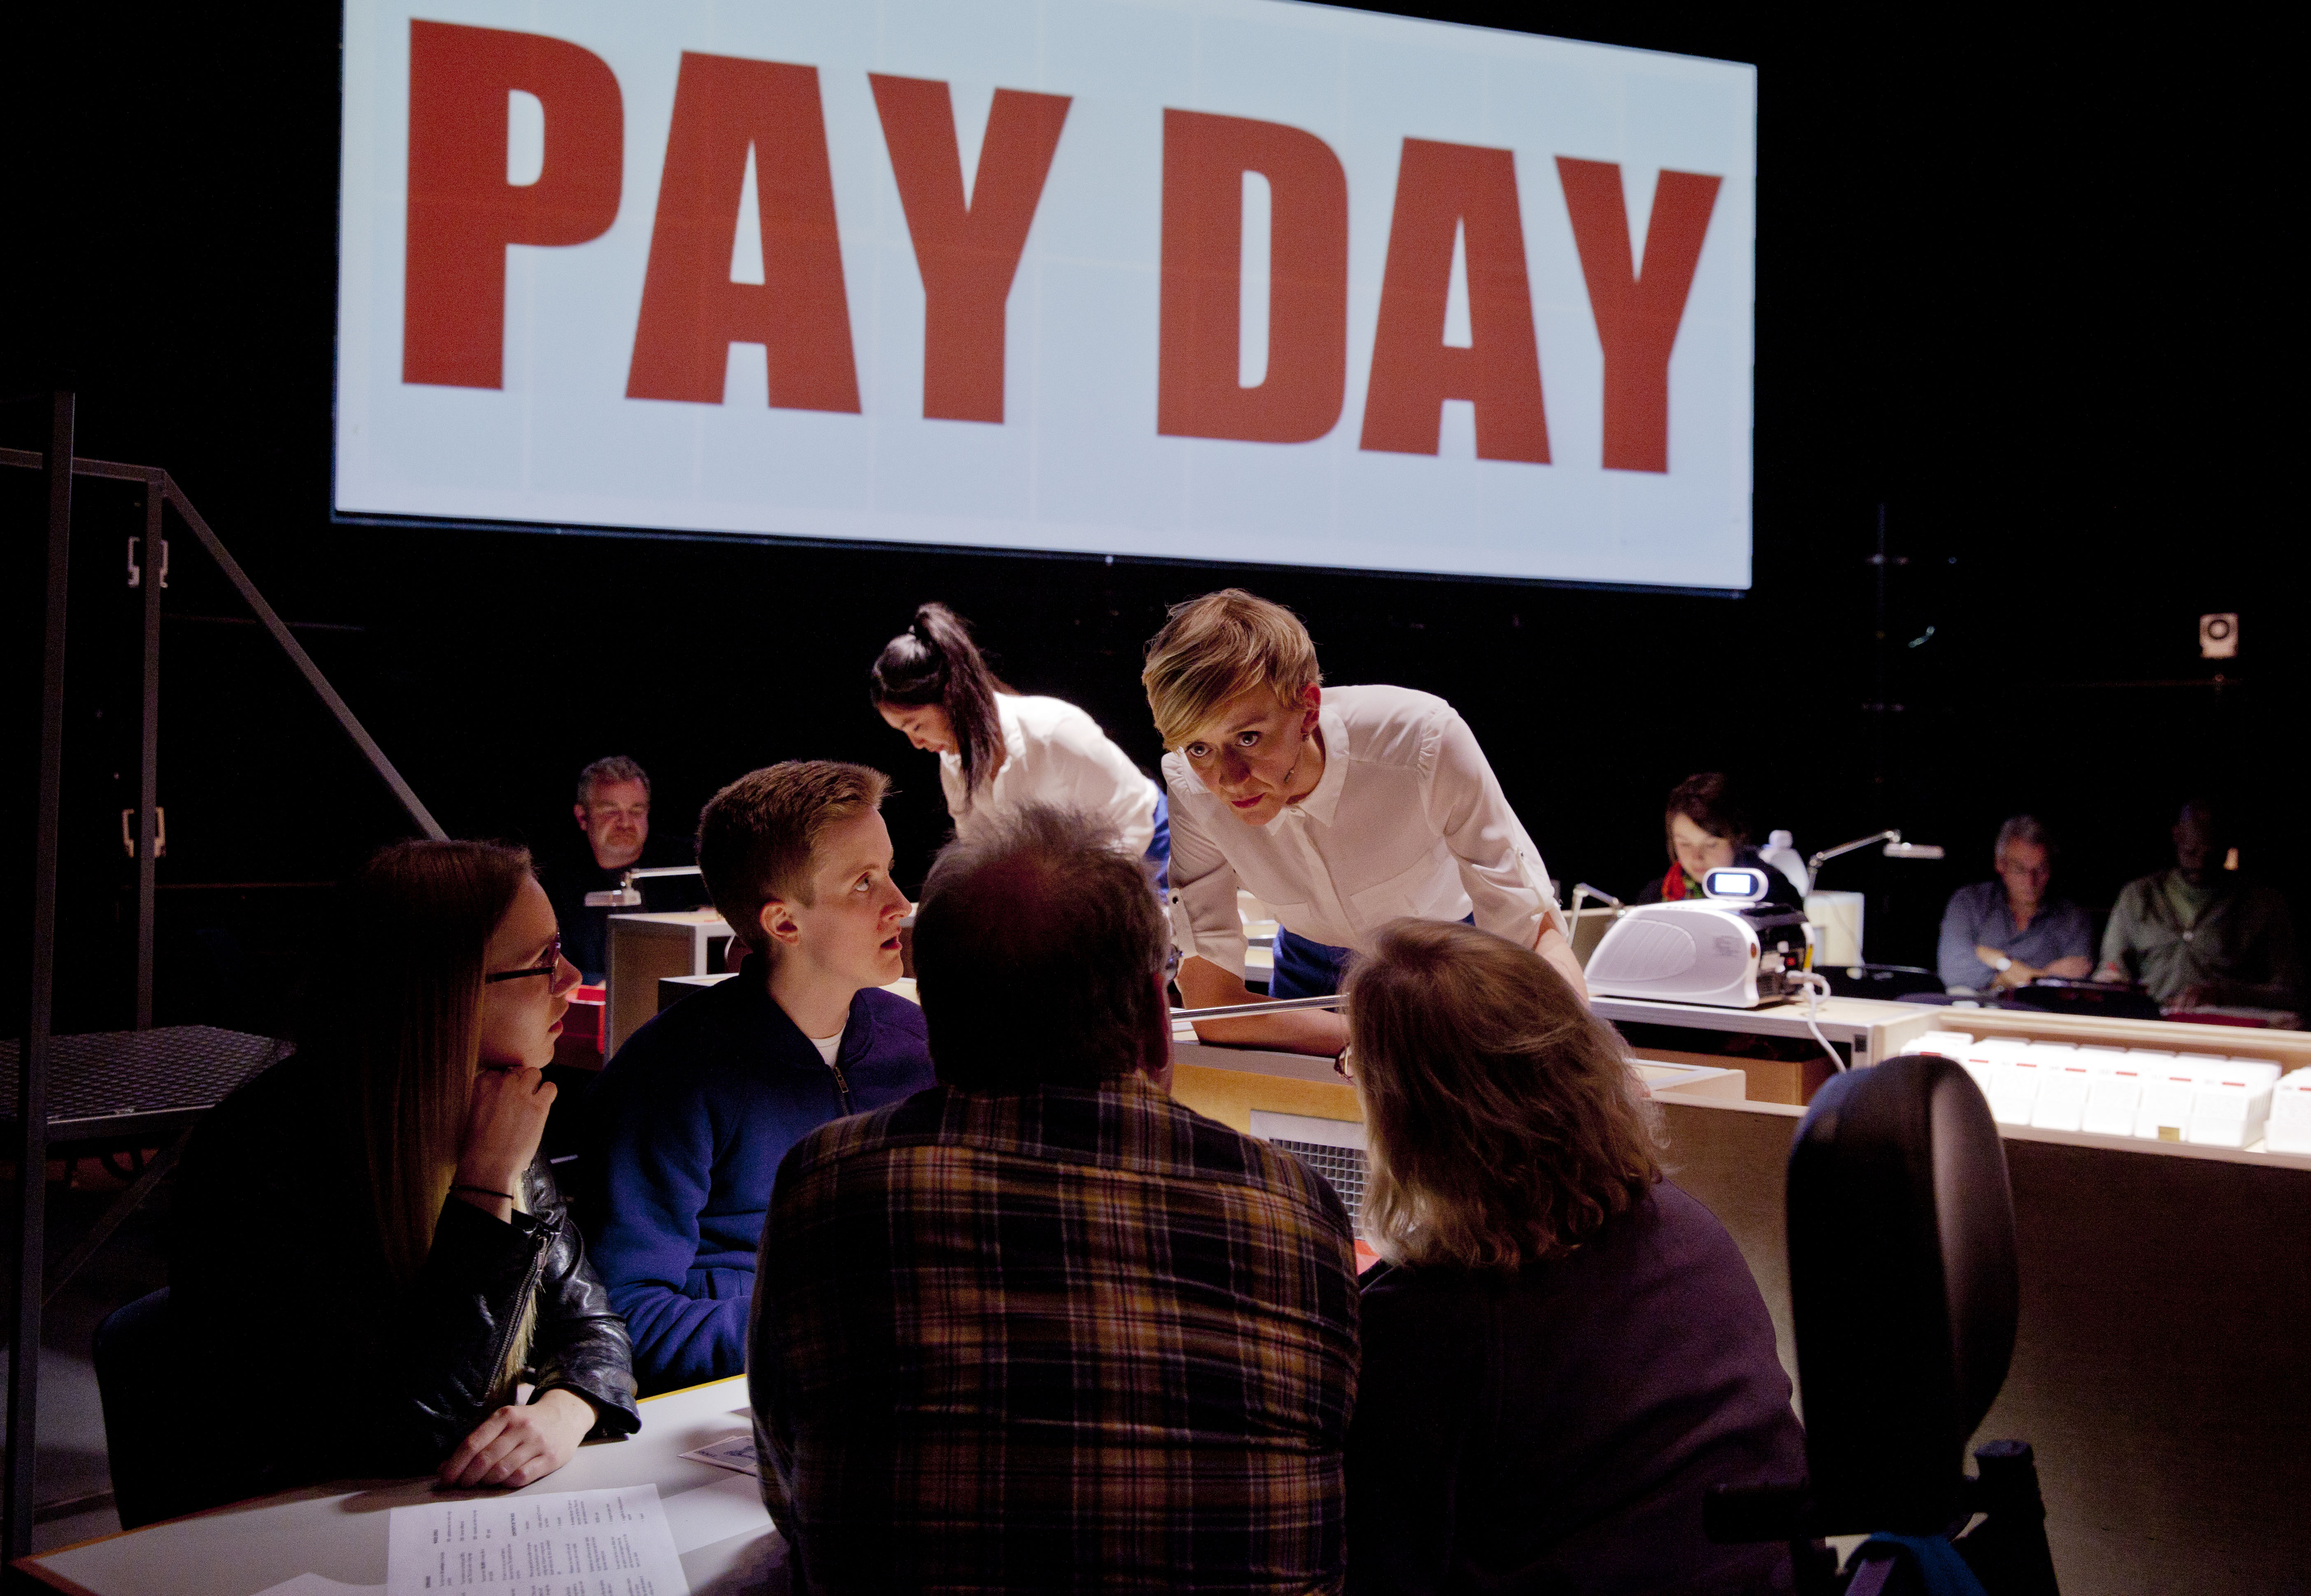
(1724, 950)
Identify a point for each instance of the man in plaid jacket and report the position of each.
(1039, 1327)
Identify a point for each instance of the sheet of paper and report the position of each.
(706, 1513)
(734, 1453)
(611, 1542)
(320, 1585)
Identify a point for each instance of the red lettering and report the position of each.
(967, 251)
(1637, 311)
(1441, 188)
(691, 313)
(1197, 393)
(462, 211)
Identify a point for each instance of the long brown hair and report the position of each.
(1503, 1120)
(418, 919)
(934, 661)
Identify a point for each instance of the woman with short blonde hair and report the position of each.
(1562, 1351)
(1339, 807)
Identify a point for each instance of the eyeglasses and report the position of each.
(552, 965)
(1341, 1065)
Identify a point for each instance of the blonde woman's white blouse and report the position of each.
(1407, 819)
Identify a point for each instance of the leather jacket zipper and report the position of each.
(513, 1320)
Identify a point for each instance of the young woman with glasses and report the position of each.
(367, 1246)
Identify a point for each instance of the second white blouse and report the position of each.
(1055, 753)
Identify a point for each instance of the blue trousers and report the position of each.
(1159, 847)
(1305, 969)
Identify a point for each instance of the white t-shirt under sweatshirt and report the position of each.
(827, 1046)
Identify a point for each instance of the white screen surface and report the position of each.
(1228, 280)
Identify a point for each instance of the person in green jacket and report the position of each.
(2199, 934)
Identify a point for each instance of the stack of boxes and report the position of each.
(2290, 1127)
(2204, 1099)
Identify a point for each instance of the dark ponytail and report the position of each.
(934, 661)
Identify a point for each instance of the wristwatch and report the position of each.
(2003, 964)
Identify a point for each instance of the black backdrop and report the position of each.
(2019, 283)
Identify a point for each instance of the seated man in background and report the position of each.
(613, 811)
(1042, 1328)
(2198, 934)
(2009, 932)
(694, 1114)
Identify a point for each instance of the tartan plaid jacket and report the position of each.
(1053, 1339)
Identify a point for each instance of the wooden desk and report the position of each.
(338, 1530)
(642, 949)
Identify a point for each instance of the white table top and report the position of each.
(338, 1530)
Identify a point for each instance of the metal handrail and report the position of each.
(1243, 1010)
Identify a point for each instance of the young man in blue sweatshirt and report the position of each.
(691, 1117)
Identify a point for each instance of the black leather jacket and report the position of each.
(279, 1289)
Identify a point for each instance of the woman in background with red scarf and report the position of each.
(1706, 830)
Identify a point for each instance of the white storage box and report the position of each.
(2232, 1103)
(2062, 1089)
(2168, 1086)
(2288, 1129)
(2114, 1096)
(1982, 1060)
(1949, 1045)
(2017, 1079)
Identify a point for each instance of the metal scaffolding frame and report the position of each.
(60, 466)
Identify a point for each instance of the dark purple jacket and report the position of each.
(1554, 1429)
(687, 1129)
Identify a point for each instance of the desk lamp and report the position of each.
(1895, 849)
(626, 895)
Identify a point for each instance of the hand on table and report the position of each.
(2015, 973)
(516, 1445)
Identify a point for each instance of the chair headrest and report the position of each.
(1902, 1285)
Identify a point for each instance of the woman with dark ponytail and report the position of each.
(1000, 750)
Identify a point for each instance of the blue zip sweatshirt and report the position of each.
(687, 1127)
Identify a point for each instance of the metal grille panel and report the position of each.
(1343, 1169)
(108, 1073)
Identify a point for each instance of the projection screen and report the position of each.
(1226, 280)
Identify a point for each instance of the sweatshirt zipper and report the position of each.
(841, 1086)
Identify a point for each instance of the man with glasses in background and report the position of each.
(613, 813)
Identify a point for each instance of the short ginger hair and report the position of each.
(1216, 647)
(757, 838)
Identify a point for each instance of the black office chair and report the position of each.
(1903, 1291)
(144, 1401)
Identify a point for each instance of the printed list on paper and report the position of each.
(610, 1542)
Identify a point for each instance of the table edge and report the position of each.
(32, 1563)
